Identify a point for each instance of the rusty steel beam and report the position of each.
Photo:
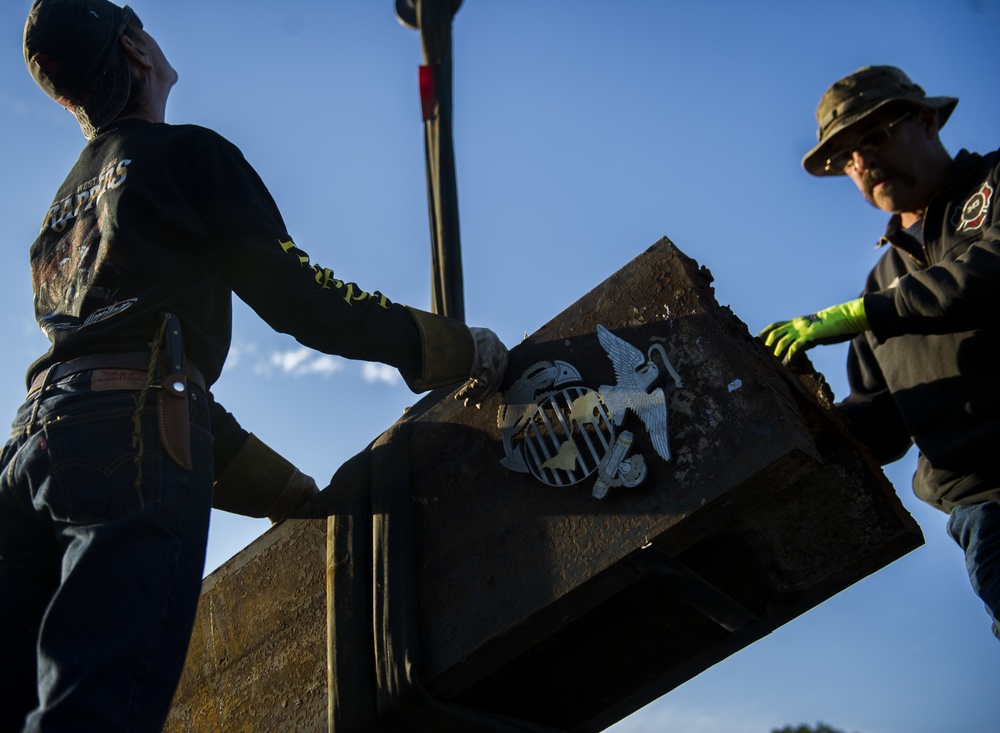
(533, 599)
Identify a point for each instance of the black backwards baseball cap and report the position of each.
(72, 51)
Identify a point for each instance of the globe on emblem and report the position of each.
(567, 436)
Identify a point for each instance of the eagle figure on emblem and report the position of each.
(635, 373)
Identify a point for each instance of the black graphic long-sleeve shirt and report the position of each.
(156, 217)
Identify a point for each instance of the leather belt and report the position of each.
(132, 365)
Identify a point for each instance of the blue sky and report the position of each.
(585, 131)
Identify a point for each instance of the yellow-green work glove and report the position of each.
(787, 338)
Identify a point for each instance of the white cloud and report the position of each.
(325, 365)
(373, 373)
(237, 351)
(301, 362)
(291, 362)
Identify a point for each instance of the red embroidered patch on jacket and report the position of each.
(973, 213)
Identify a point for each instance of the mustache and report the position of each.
(872, 176)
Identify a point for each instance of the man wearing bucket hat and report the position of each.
(924, 333)
(107, 479)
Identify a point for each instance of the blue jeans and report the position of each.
(976, 528)
(100, 574)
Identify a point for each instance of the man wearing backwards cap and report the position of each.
(107, 480)
(924, 333)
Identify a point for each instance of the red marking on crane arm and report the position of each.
(428, 98)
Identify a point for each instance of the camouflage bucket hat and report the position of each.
(855, 97)
(72, 51)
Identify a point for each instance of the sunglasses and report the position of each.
(874, 139)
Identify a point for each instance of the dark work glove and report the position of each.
(487, 370)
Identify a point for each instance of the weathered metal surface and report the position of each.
(544, 603)
(540, 602)
(257, 658)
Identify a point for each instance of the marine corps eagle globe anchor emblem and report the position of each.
(561, 431)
